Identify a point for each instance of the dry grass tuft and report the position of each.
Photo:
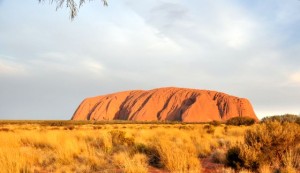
(265, 169)
(131, 164)
(12, 161)
(176, 156)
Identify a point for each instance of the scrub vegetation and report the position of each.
(130, 147)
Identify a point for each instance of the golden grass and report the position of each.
(104, 147)
(177, 155)
(12, 160)
(265, 169)
(131, 164)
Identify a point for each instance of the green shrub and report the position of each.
(215, 123)
(238, 121)
(266, 144)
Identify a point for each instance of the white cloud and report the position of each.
(49, 62)
(65, 63)
(93, 66)
(294, 78)
(12, 68)
(194, 26)
(239, 34)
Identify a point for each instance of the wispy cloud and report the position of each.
(11, 67)
(295, 78)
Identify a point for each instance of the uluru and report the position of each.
(164, 104)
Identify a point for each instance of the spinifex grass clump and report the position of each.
(177, 156)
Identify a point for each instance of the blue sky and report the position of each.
(49, 64)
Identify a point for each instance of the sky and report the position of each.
(49, 63)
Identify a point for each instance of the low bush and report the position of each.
(238, 121)
(215, 123)
(266, 144)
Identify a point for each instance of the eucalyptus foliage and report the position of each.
(73, 5)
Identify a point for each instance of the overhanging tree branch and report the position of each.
(71, 4)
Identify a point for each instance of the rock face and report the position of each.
(170, 104)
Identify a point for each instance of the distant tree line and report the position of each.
(238, 121)
(290, 118)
